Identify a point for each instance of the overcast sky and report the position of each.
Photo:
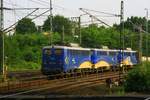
(70, 8)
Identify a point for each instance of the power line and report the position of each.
(53, 4)
(103, 12)
(104, 16)
(14, 11)
(42, 2)
(40, 14)
(18, 21)
(25, 17)
(38, 2)
(11, 3)
(28, 8)
(92, 16)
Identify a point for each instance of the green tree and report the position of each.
(91, 36)
(94, 36)
(132, 23)
(58, 23)
(25, 26)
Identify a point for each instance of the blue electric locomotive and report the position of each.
(104, 59)
(130, 58)
(107, 58)
(57, 59)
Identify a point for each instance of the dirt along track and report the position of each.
(59, 86)
(23, 75)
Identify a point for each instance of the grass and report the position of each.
(97, 90)
(115, 90)
(100, 90)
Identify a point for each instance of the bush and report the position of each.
(23, 65)
(138, 79)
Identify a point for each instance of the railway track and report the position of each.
(44, 86)
(62, 87)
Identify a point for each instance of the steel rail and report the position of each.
(66, 82)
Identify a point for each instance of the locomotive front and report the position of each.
(52, 60)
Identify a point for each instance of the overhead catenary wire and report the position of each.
(40, 14)
(14, 11)
(46, 6)
(104, 16)
(39, 3)
(28, 8)
(45, 3)
(31, 19)
(85, 11)
(115, 15)
(14, 6)
(11, 3)
(53, 4)
(19, 20)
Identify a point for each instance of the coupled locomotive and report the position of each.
(58, 59)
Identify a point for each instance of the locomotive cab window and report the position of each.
(47, 52)
(58, 52)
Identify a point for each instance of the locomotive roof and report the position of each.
(65, 47)
(80, 48)
(113, 50)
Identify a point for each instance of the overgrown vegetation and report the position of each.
(23, 51)
(138, 80)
